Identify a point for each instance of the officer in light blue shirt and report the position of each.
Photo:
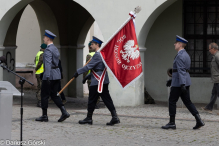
(180, 84)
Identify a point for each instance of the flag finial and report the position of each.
(137, 9)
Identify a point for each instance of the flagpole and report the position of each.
(137, 10)
(115, 33)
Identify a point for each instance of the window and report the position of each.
(201, 27)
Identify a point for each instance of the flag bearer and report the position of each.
(99, 85)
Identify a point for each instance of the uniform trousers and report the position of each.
(88, 85)
(48, 90)
(94, 95)
(175, 93)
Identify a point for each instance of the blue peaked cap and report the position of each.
(49, 34)
(180, 39)
(97, 40)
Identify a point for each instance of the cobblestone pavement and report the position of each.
(140, 126)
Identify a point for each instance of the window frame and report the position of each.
(204, 69)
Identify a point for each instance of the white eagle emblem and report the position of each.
(130, 51)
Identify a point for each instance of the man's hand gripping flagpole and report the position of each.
(137, 10)
(70, 81)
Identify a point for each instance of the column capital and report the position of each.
(78, 46)
(7, 47)
(142, 49)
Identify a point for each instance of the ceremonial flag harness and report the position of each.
(100, 79)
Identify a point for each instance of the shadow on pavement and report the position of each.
(29, 99)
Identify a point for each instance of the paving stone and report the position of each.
(140, 126)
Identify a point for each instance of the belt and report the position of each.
(175, 70)
(54, 67)
(97, 70)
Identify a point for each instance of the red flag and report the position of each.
(122, 56)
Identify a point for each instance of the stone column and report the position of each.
(64, 60)
(142, 51)
(72, 57)
(79, 64)
(1, 70)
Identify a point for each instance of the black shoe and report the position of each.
(199, 122)
(39, 104)
(87, 120)
(114, 120)
(171, 124)
(43, 118)
(64, 115)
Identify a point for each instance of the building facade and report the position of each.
(156, 26)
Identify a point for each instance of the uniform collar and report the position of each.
(49, 44)
(181, 51)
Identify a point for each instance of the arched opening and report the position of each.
(150, 21)
(67, 19)
(160, 49)
(157, 38)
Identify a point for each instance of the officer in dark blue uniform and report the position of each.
(96, 64)
(180, 84)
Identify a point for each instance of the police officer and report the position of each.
(180, 84)
(98, 68)
(88, 57)
(39, 70)
(51, 78)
